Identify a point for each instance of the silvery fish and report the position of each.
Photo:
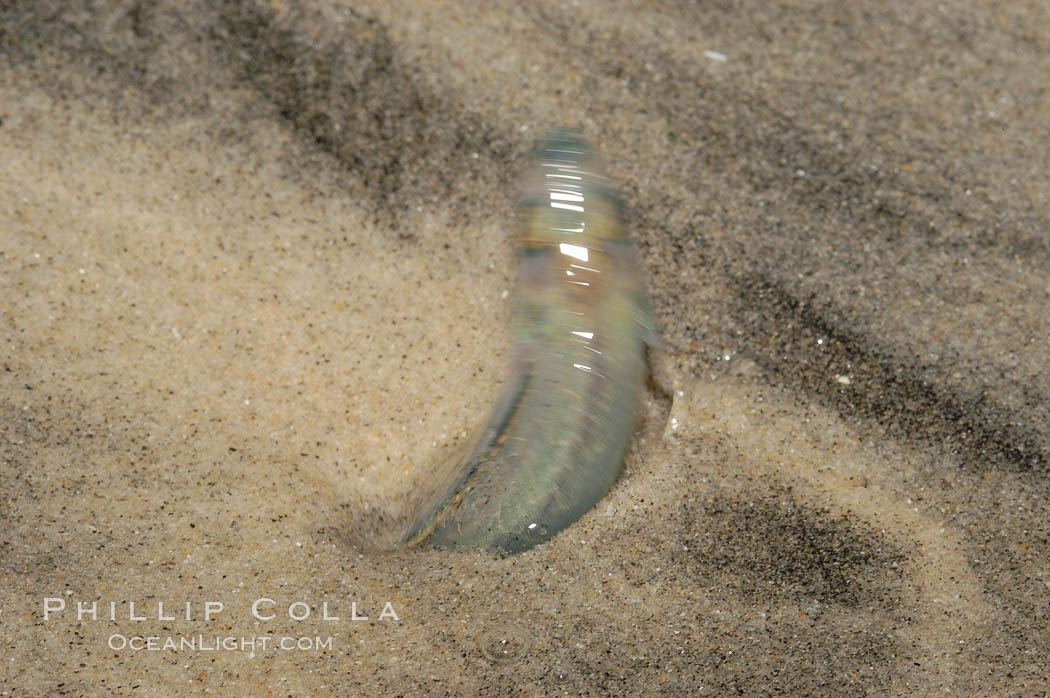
(555, 441)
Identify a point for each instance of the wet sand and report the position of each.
(254, 278)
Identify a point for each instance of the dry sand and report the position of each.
(253, 280)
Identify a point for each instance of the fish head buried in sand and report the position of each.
(555, 442)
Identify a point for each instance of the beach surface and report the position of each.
(255, 275)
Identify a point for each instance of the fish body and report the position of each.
(556, 440)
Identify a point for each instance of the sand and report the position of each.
(254, 288)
